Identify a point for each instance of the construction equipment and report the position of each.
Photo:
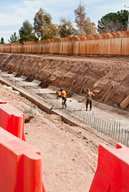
(54, 103)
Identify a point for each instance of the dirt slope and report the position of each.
(69, 154)
(107, 77)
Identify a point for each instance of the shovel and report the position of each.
(54, 104)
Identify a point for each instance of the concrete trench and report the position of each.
(75, 114)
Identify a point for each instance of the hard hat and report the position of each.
(61, 88)
(88, 89)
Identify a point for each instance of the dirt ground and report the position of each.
(107, 77)
(69, 154)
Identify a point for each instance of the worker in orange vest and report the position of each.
(63, 96)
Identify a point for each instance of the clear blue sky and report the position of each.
(14, 12)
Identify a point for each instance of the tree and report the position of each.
(41, 19)
(80, 18)
(113, 22)
(84, 25)
(49, 31)
(14, 38)
(2, 41)
(26, 32)
(66, 28)
(89, 27)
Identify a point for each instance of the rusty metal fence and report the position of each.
(114, 43)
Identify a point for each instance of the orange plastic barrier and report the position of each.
(112, 173)
(12, 120)
(20, 165)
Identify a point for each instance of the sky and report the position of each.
(14, 12)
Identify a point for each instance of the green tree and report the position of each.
(113, 22)
(66, 28)
(41, 19)
(14, 38)
(26, 32)
(84, 25)
(2, 41)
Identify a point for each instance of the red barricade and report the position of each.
(20, 165)
(112, 173)
(12, 120)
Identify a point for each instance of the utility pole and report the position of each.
(128, 18)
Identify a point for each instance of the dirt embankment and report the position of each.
(69, 153)
(107, 77)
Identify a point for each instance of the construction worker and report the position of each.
(89, 96)
(63, 96)
(58, 94)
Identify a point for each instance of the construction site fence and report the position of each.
(104, 44)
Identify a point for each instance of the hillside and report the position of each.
(107, 77)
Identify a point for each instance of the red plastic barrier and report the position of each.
(20, 165)
(112, 173)
(2, 102)
(12, 120)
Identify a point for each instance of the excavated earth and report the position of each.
(107, 77)
(69, 153)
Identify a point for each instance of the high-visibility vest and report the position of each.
(63, 93)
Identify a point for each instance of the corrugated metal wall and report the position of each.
(114, 43)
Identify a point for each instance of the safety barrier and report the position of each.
(114, 43)
(112, 173)
(12, 120)
(20, 165)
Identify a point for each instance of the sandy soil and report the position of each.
(107, 77)
(69, 154)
